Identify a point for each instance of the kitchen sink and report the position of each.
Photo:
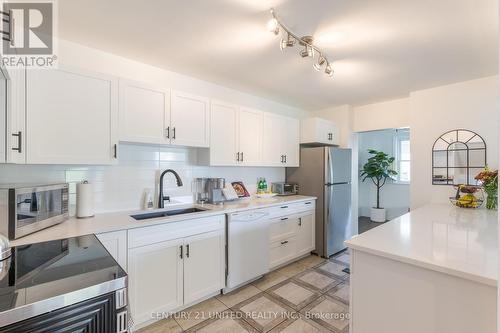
(166, 213)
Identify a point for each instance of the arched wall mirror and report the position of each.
(457, 157)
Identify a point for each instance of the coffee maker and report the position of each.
(209, 190)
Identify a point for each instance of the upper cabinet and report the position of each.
(235, 135)
(280, 143)
(71, 117)
(223, 133)
(189, 120)
(250, 137)
(318, 131)
(144, 113)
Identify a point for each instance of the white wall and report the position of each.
(121, 186)
(72, 54)
(384, 115)
(394, 197)
(472, 105)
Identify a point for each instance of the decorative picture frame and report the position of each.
(240, 189)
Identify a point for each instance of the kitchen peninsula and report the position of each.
(435, 269)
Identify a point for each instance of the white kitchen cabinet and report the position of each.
(203, 265)
(319, 131)
(71, 117)
(223, 133)
(291, 144)
(173, 265)
(189, 120)
(305, 234)
(116, 244)
(144, 113)
(273, 140)
(155, 279)
(250, 137)
(291, 232)
(16, 116)
(280, 143)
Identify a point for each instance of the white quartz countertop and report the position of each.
(444, 238)
(108, 222)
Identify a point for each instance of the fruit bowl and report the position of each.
(468, 196)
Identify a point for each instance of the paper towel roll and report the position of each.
(84, 199)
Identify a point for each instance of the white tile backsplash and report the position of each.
(121, 186)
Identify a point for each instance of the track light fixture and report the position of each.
(289, 39)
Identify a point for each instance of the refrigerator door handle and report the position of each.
(329, 166)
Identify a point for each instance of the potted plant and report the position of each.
(489, 180)
(378, 169)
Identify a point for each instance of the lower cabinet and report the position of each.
(305, 234)
(171, 274)
(291, 237)
(116, 244)
(155, 279)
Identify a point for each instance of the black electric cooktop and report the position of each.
(42, 271)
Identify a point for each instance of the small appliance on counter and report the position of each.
(25, 209)
(283, 188)
(209, 190)
(74, 285)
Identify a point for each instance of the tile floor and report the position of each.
(309, 295)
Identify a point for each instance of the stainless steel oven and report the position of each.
(283, 188)
(25, 209)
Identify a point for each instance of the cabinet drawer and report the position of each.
(173, 230)
(291, 208)
(282, 228)
(282, 251)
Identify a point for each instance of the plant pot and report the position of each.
(378, 215)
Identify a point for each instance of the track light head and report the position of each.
(273, 26)
(328, 70)
(321, 61)
(288, 42)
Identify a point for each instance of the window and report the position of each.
(402, 154)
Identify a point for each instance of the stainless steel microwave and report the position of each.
(285, 188)
(25, 209)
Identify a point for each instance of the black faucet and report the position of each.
(161, 198)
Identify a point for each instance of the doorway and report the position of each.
(394, 195)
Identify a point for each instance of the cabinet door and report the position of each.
(116, 244)
(291, 142)
(189, 120)
(71, 117)
(144, 113)
(273, 140)
(323, 130)
(155, 279)
(223, 133)
(250, 136)
(16, 116)
(203, 265)
(305, 234)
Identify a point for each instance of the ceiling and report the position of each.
(381, 49)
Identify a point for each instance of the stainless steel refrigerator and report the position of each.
(325, 172)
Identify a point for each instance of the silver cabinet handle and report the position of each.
(285, 158)
(168, 132)
(187, 251)
(182, 251)
(115, 153)
(300, 221)
(237, 156)
(284, 242)
(284, 218)
(19, 141)
(284, 207)
(173, 133)
(241, 156)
